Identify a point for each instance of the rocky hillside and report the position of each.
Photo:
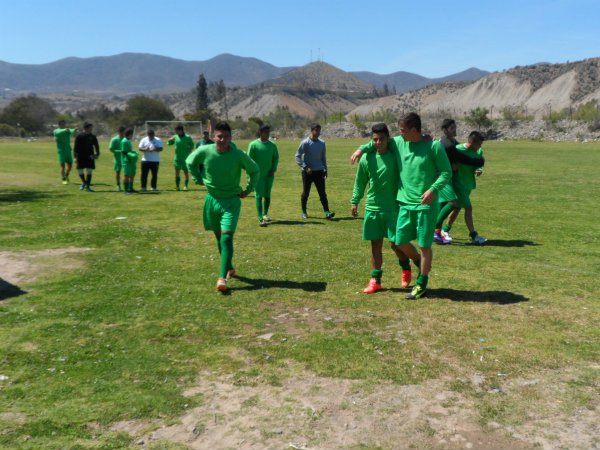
(538, 89)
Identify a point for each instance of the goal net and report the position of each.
(166, 129)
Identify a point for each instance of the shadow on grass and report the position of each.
(500, 297)
(9, 290)
(261, 283)
(295, 222)
(24, 195)
(499, 243)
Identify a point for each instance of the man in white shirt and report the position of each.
(150, 146)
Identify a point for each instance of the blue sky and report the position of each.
(431, 38)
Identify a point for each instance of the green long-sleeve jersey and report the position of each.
(183, 146)
(465, 175)
(115, 146)
(62, 136)
(223, 170)
(265, 154)
(128, 154)
(380, 171)
(423, 166)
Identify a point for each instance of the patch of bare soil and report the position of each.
(312, 412)
(28, 266)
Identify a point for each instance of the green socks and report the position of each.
(259, 208)
(267, 204)
(177, 182)
(226, 244)
(422, 280)
(377, 273)
(443, 215)
(447, 228)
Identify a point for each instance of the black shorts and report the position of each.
(86, 162)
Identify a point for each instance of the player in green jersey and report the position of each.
(223, 164)
(204, 141)
(380, 170)
(264, 153)
(463, 180)
(62, 136)
(184, 145)
(129, 161)
(424, 171)
(115, 149)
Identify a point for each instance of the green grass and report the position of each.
(123, 335)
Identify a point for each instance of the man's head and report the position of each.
(150, 133)
(410, 127)
(315, 131)
(263, 132)
(179, 130)
(87, 127)
(475, 140)
(449, 128)
(61, 124)
(121, 131)
(128, 133)
(222, 136)
(205, 134)
(381, 136)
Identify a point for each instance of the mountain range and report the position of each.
(130, 73)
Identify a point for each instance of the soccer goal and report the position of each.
(165, 129)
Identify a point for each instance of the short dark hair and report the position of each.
(87, 125)
(179, 127)
(223, 126)
(475, 136)
(61, 121)
(264, 127)
(447, 123)
(412, 120)
(380, 128)
(150, 131)
(314, 126)
(205, 132)
(121, 129)
(129, 132)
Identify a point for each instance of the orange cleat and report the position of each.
(406, 277)
(222, 285)
(372, 287)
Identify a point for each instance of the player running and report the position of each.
(223, 164)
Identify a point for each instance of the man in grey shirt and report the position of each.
(311, 157)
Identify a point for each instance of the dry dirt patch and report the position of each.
(28, 266)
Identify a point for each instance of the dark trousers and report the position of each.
(149, 166)
(317, 177)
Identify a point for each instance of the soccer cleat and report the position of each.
(304, 215)
(89, 189)
(222, 285)
(82, 187)
(185, 188)
(329, 215)
(65, 181)
(231, 273)
(478, 240)
(446, 235)
(440, 239)
(154, 190)
(406, 277)
(267, 218)
(417, 292)
(372, 287)
(262, 223)
(142, 189)
(118, 188)
(177, 188)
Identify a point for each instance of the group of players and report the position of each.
(415, 184)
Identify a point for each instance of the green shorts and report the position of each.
(447, 194)
(463, 196)
(221, 214)
(117, 163)
(65, 157)
(180, 165)
(264, 186)
(417, 224)
(380, 224)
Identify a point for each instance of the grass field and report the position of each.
(121, 323)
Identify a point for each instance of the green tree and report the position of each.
(201, 94)
(478, 117)
(141, 108)
(32, 113)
